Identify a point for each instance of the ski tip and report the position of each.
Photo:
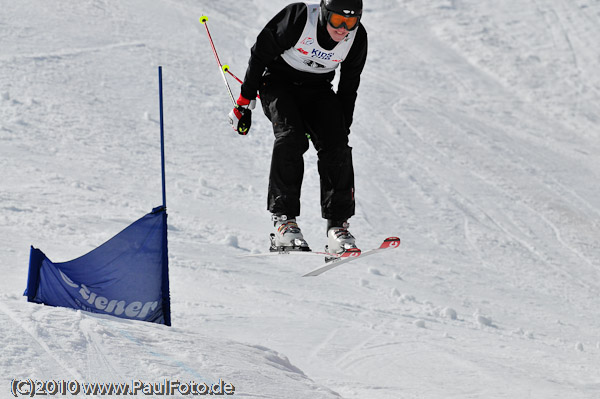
(390, 242)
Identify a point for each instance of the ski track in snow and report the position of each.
(475, 140)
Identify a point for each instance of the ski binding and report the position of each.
(300, 246)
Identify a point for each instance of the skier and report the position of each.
(292, 65)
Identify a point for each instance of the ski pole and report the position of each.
(203, 20)
(226, 69)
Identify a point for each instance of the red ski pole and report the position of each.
(203, 20)
(224, 68)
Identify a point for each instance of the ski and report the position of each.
(290, 253)
(331, 260)
(388, 243)
(302, 251)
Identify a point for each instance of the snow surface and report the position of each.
(476, 140)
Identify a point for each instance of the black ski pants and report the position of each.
(300, 113)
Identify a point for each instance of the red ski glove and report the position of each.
(241, 116)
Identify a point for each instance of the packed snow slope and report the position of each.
(476, 140)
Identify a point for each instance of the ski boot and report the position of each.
(288, 236)
(340, 242)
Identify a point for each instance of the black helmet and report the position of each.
(347, 8)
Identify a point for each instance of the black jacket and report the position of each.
(282, 33)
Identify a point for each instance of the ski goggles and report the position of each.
(338, 20)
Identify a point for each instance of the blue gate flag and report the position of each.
(127, 276)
